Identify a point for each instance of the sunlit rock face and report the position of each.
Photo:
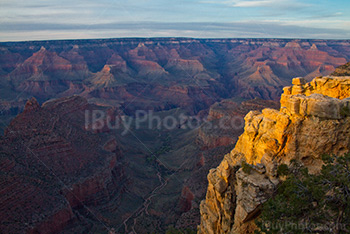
(314, 119)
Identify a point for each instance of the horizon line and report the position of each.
(169, 38)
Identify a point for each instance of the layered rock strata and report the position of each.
(54, 173)
(314, 119)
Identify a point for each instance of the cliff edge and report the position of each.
(314, 119)
(343, 70)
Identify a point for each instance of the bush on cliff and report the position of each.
(307, 203)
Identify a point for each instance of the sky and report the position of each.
(22, 20)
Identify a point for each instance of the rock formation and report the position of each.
(52, 170)
(99, 69)
(343, 70)
(225, 121)
(160, 74)
(314, 119)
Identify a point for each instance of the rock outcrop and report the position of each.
(343, 70)
(225, 121)
(314, 119)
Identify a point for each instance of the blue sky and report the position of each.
(74, 19)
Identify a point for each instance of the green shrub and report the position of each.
(345, 111)
(305, 202)
(247, 168)
(282, 170)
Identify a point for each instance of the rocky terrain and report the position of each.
(149, 73)
(214, 139)
(54, 173)
(343, 70)
(314, 119)
(149, 178)
(72, 178)
(226, 121)
(159, 73)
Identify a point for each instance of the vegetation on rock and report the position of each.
(307, 203)
(247, 168)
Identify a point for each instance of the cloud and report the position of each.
(257, 3)
(153, 18)
(251, 29)
(280, 4)
(328, 15)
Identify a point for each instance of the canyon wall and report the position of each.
(314, 119)
(54, 173)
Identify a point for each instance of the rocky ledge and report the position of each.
(314, 119)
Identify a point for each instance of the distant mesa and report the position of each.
(313, 47)
(293, 44)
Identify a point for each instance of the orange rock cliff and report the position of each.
(314, 119)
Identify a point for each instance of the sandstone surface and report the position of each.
(314, 119)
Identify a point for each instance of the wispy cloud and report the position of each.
(267, 29)
(40, 19)
(326, 15)
(290, 4)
